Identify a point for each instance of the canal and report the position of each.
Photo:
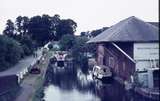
(70, 84)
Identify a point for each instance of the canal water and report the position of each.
(70, 84)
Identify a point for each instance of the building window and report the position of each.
(111, 62)
(154, 63)
(157, 64)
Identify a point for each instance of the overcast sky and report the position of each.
(89, 14)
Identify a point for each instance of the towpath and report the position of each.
(30, 83)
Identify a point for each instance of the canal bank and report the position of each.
(145, 92)
(32, 82)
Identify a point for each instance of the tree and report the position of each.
(80, 44)
(93, 33)
(79, 51)
(65, 26)
(55, 20)
(40, 29)
(67, 41)
(10, 29)
(21, 26)
(10, 52)
(28, 45)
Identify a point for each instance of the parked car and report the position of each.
(101, 72)
(35, 71)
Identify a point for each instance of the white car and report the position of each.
(101, 72)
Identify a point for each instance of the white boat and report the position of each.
(101, 72)
(60, 57)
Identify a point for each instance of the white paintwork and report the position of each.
(143, 78)
(142, 65)
(150, 79)
(46, 45)
(60, 57)
(146, 56)
(146, 51)
(99, 73)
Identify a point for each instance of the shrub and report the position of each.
(10, 52)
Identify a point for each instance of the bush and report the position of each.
(28, 45)
(67, 41)
(26, 50)
(79, 51)
(10, 52)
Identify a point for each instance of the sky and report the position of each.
(88, 14)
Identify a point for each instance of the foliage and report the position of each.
(10, 52)
(10, 29)
(79, 51)
(22, 25)
(79, 46)
(67, 42)
(18, 31)
(29, 33)
(65, 26)
(39, 29)
(91, 48)
(28, 45)
(93, 33)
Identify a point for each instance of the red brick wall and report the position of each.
(113, 58)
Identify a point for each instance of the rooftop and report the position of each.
(130, 29)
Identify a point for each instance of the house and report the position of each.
(130, 47)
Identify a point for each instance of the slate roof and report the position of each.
(131, 29)
(154, 23)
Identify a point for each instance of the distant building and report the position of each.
(128, 47)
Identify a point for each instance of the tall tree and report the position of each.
(10, 29)
(55, 20)
(40, 29)
(22, 25)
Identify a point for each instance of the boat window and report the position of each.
(104, 70)
(60, 63)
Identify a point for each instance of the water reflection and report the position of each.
(56, 94)
(70, 84)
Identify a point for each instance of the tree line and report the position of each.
(93, 33)
(22, 37)
(79, 49)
